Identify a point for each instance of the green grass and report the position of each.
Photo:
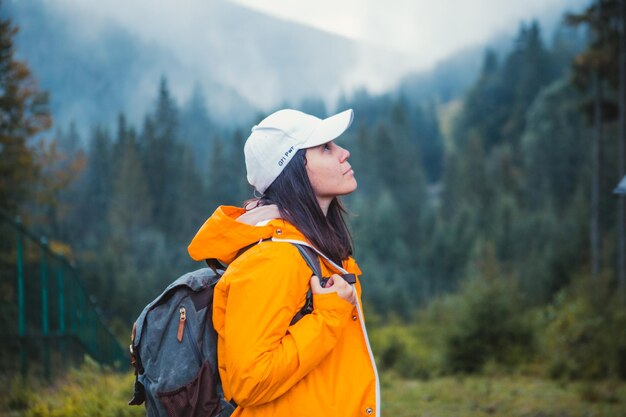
(505, 396)
(93, 391)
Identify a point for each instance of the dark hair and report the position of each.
(293, 194)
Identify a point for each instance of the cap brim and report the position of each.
(330, 128)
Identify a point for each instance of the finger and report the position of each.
(339, 279)
(339, 283)
(329, 283)
(316, 286)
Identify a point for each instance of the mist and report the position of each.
(102, 58)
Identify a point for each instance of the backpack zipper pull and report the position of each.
(181, 323)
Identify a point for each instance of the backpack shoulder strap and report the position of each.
(313, 261)
(311, 258)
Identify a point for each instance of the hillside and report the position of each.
(244, 61)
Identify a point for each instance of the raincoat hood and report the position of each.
(230, 229)
(222, 236)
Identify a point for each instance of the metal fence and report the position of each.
(48, 321)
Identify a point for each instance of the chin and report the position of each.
(351, 189)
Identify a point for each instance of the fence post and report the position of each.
(21, 312)
(80, 319)
(44, 310)
(93, 345)
(61, 310)
(74, 305)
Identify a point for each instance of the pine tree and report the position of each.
(240, 189)
(130, 203)
(162, 154)
(595, 69)
(24, 113)
(196, 129)
(219, 176)
(429, 140)
(97, 186)
(60, 168)
(528, 69)
(554, 149)
(485, 106)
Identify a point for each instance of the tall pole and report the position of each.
(44, 310)
(621, 157)
(61, 295)
(21, 310)
(595, 176)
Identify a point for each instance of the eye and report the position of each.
(327, 146)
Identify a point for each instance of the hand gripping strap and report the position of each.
(312, 259)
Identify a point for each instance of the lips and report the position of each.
(348, 171)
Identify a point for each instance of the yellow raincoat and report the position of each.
(322, 366)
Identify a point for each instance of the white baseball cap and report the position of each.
(278, 137)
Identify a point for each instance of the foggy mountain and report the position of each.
(449, 78)
(244, 62)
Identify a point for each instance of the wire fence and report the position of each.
(48, 321)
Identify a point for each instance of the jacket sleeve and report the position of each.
(263, 355)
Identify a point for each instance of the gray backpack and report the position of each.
(174, 351)
(174, 346)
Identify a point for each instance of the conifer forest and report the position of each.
(488, 222)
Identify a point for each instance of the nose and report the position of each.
(344, 154)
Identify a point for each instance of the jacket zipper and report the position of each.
(361, 320)
(371, 354)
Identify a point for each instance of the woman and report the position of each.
(322, 365)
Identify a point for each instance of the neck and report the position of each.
(324, 203)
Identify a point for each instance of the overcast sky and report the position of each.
(419, 32)
(425, 30)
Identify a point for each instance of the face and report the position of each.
(329, 172)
